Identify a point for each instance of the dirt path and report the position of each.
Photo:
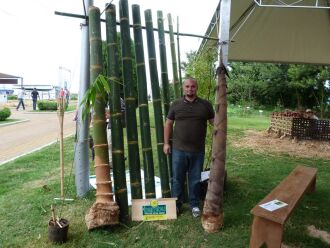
(24, 137)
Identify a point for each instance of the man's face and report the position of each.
(190, 88)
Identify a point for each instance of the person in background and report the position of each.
(190, 114)
(67, 95)
(20, 97)
(35, 96)
(62, 93)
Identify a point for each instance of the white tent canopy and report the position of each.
(280, 33)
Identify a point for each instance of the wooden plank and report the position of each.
(266, 232)
(290, 191)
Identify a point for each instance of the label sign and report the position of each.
(154, 211)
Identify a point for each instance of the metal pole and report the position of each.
(82, 127)
(143, 27)
(224, 31)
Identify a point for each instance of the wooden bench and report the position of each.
(267, 226)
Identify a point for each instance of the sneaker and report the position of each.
(196, 212)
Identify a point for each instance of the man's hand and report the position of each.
(167, 149)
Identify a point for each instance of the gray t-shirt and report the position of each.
(190, 123)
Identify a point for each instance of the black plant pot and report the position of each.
(57, 234)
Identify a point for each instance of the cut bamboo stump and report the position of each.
(102, 214)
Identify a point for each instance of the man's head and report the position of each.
(34, 88)
(190, 87)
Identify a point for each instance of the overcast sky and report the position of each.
(35, 43)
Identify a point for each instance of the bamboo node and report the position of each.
(101, 165)
(143, 105)
(130, 99)
(127, 58)
(112, 44)
(104, 182)
(124, 18)
(157, 100)
(150, 194)
(100, 145)
(160, 144)
(120, 191)
(140, 64)
(147, 149)
(117, 152)
(99, 194)
(150, 59)
(116, 114)
(95, 39)
(136, 184)
(132, 142)
(96, 67)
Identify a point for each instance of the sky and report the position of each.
(44, 48)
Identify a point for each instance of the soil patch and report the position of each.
(268, 142)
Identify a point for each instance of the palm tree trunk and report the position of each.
(117, 139)
(212, 218)
(104, 211)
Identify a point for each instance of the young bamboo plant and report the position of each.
(105, 210)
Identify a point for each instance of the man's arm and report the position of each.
(167, 134)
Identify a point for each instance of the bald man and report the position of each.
(190, 115)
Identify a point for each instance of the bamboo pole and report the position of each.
(163, 171)
(149, 177)
(104, 211)
(60, 113)
(117, 139)
(130, 103)
(164, 73)
(179, 57)
(176, 83)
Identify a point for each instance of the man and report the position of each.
(35, 96)
(190, 115)
(20, 97)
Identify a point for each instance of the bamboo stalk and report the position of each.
(117, 139)
(130, 103)
(179, 57)
(143, 106)
(164, 74)
(176, 83)
(157, 105)
(60, 112)
(104, 211)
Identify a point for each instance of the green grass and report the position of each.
(29, 185)
(9, 121)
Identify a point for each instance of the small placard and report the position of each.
(273, 205)
(153, 209)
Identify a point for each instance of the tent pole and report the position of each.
(82, 126)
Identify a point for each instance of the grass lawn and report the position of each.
(7, 121)
(29, 184)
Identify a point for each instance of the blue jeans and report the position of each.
(183, 162)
